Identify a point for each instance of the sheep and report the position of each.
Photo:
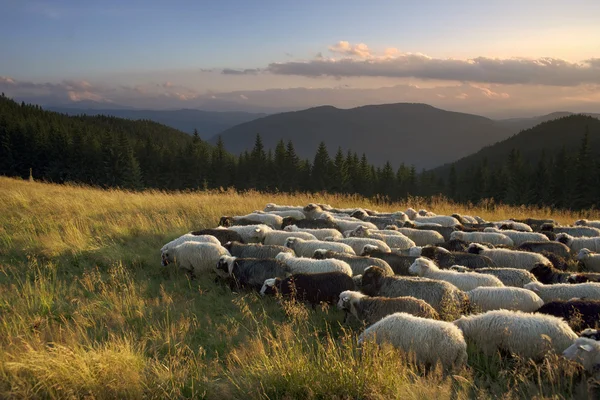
(519, 237)
(575, 231)
(515, 332)
(589, 259)
(270, 207)
(399, 263)
(196, 258)
(585, 351)
(455, 245)
(223, 235)
(534, 223)
(484, 299)
(357, 263)
(483, 237)
(431, 341)
(545, 246)
(512, 225)
(582, 277)
(465, 281)
(446, 259)
(550, 275)
(508, 276)
(251, 233)
(303, 265)
(251, 272)
(296, 214)
(188, 237)
(378, 220)
(279, 238)
(255, 250)
(422, 237)
(310, 223)
(445, 231)
(443, 220)
(271, 220)
(411, 213)
(312, 288)
(464, 219)
(510, 258)
(444, 297)
(312, 211)
(578, 243)
(349, 225)
(586, 222)
(306, 248)
(357, 244)
(565, 291)
(391, 238)
(371, 309)
(319, 234)
(580, 314)
(591, 333)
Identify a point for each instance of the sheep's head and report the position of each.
(226, 264)
(320, 254)
(585, 351)
(400, 216)
(347, 298)
(547, 227)
(270, 286)
(226, 221)
(371, 280)
(359, 214)
(582, 222)
(357, 279)
(475, 248)
(391, 228)
(312, 208)
(458, 268)
(290, 228)
(590, 333)
(270, 206)
(565, 239)
(166, 257)
(411, 213)
(359, 231)
(229, 245)
(421, 266)
(368, 249)
(535, 287)
(415, 251)
(284, 255)
(424, 213)
(584, 254)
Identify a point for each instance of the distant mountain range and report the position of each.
(519, 124)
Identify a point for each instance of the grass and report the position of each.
(86, 311)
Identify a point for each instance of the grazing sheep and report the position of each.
(515, 332)
(312, 288)
(508, 276)
(508, 298)
(357, 263)
(548, 275)
(580, 314)
(399, 263)
(319, 234)
(483, 237)
(556, 260)
(464, 219)
(546, 246)
(313, 211)
(512, 225)
(358, 243)
(188, 237)
(586, 222)
(446, 259)
(465, 281)
(510, 258)
(589, 259)
(270, 207)
(444, 297)
(575, 231)
(251, 272)
(443, 220)
(445, 231)
(519, 237)
(271, 220)
(251, 233)
(310, 223)
(411, 213)
(392, 238)
(223, 235)
(303, 265)
(534, 223)
(565, 291)
(582, 277)
(378, 220)
(196, 258)
(586, 352)
(457, 245)
(350, 225)
(296, 214)
(279, 238)
(578, 243)
(422, 237)
(255, 250)
(591, 333)
(429, 340)
(371, 309)
(306, 248)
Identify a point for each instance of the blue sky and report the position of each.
(136, 43)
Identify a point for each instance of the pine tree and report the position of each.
(387, 182)
(582, 198)
(452, 183)
(258, 159)
(320, 174)
(539, 192)
(340, 173)
(292, 168)
(279, 167)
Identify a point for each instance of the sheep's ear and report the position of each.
(257, 230)
(586, 347)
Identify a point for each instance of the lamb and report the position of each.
(251, 233)
(319, 234)
(578, 243)
(357, 263)
(310, 223)
(399, 263)
(223, 235)
(515, 332)
(196, 258)
(306, 248)
(444, 297)
(422, 237)
(255, 250)
(443, 220)
(303, 265)
(546, 246)
(579, 314)
(508, 276)
(357, 244)
(251, 272)
(493, 238)
(188, 237)
(510, 258)
(431, 341)
(312, 288)
(371, 309)
(465, 281)
(446, 259)
(586, 222)
(589, 259)
(519, 237)
(565, 291)
(575, 231)
(279, 238)
(508, 298)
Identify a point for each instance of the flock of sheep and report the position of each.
(424, 283)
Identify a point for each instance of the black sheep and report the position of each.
(222, 235)
(456, 245)
(579, 314)
(550, 247)
(549, 275)
(399, 263)
(251, 272)
(230, 221)
(445, 259)
(309, 223)
(255, 250)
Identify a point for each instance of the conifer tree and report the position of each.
(320, 174)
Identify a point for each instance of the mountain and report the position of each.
(520, 124)
(416, 134)
(208, 123)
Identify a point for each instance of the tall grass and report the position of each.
(87, 311)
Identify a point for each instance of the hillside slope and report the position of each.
(517, 125)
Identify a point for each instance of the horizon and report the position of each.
(499, 60)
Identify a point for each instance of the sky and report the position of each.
(497, 58)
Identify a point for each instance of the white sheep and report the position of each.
(510, 258)
(303, 265)
(392, 238)
(586, 222)
(251, 233)
(411, 213)
(296, 214)
(188, 237)
(196, 258)
(352, 223)
(577, 231)
(465, 281)
(443, 220)
(358, 243)
(513, 225)
(590, 259)
(306, 248)
(585, 351)
(279, 238)
(271, 220)
(578, 243)
(429, 340)
(519, 237)
(526, 335)
(319, 234)
(270, 207)
(507, 298)
(508, 276)
(492, 238)
(422, 237)
(565, 291)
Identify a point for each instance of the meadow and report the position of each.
(87, 311)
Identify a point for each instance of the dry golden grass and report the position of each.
(87, 311)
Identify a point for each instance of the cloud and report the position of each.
(248, 71)
(342, 47)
